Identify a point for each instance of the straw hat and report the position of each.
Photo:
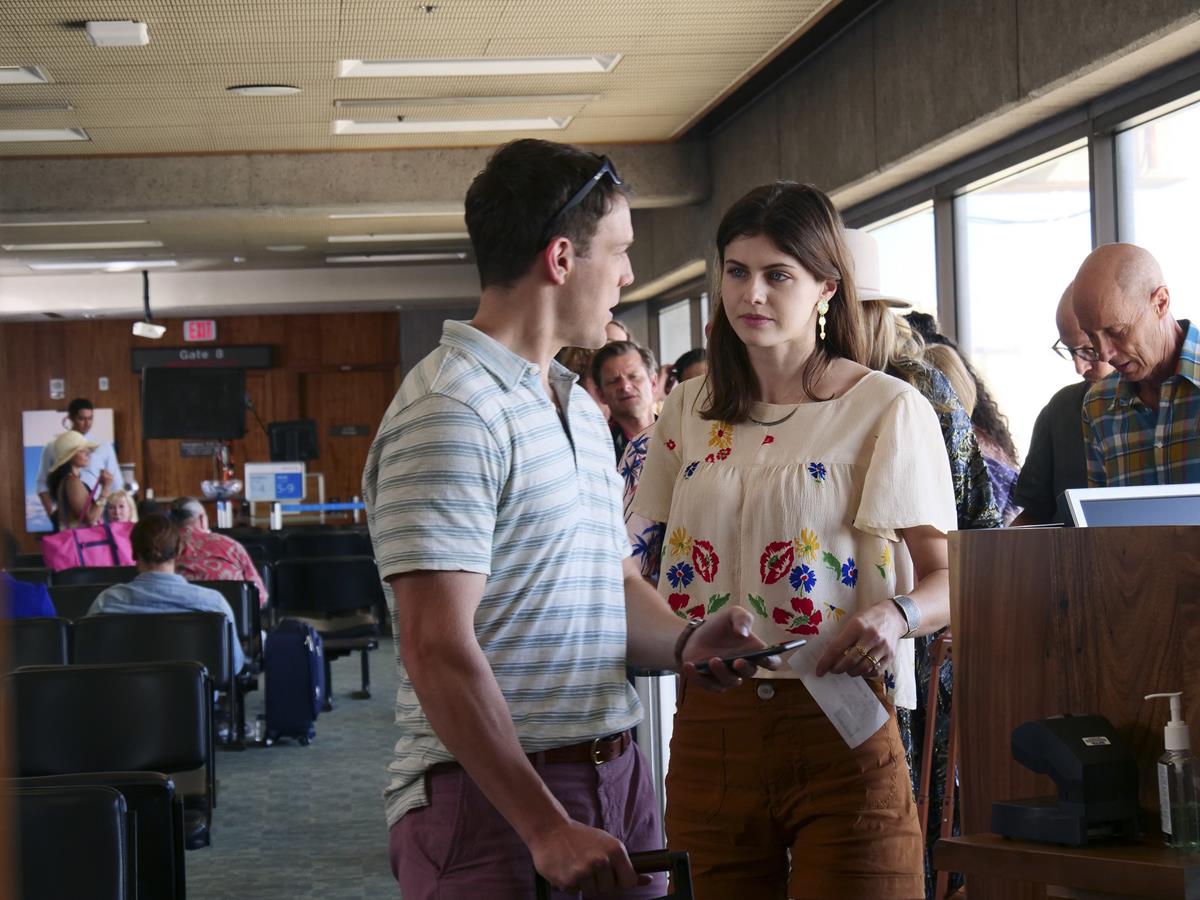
(865, 252)
(66, 445)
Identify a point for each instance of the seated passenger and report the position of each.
(157, 589)
(20, 599)
(206, 556)
(121, 507)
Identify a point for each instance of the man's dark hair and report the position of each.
(78, 404)
(155, 540)
(512, 206)
(614, 349)
(10, 549)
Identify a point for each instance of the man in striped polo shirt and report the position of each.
(1141, 424)
(495, 513)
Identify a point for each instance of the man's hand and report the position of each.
(575, 857)
(724, 634)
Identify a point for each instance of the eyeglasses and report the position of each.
(1087, 354)
(606, 168)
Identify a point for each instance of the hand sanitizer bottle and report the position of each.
(1177, 789)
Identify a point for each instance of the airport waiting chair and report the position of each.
(242, 597)
(33, 574)
(155, 817)
(146, 717)
(297, 544)
(340, 597)
(37, 641)
(263, 544)
(95, 575)
(72, 601)
(205, 637)
(74, 842)
(29, 561)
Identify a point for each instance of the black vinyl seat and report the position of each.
(29, 561)
(242, 597)
(340, 597)
(73, 843)
(72, 601)
(95, 575)
(33, 574)
(330, 543)
(148, 717)
(41, 641)
(155, 818)
(266, 544)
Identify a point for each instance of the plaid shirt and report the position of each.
(1130, 443)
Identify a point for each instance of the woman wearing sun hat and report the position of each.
(76, 504)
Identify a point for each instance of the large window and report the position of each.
(1020, 238)
(907, 256)
(1158, 195)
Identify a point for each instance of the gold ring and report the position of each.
(861, 652)
(874, 661)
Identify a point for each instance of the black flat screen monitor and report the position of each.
(294, 441)
(193, 404)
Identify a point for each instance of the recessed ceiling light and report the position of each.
(433, 68)
(427, 126)
(286, 248)
(397, 238)
(109, 265)
(117, 34)
(264, 90)
(85, 245)
(24, 135)
(74, 224)
(23, 75)
(465, 101)
(396, 257)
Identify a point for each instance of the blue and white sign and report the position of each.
(268, 482)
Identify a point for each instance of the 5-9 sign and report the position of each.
(200, 329)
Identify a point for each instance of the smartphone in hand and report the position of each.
(755, 655)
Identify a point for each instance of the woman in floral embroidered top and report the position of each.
(798, 483)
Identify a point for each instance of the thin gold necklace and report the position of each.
(775, 422)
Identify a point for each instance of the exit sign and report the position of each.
(200, 329)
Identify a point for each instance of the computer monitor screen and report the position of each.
(1176, 504)
(294, 441)
(193, 404)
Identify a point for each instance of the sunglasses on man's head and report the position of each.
(606, 168)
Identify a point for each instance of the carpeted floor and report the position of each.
(295, 822)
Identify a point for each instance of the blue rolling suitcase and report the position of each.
(295, 675)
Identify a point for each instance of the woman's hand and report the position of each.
(106, 479)
(866, 642)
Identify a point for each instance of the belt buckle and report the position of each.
(596, 760)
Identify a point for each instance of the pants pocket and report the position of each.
(696, 778)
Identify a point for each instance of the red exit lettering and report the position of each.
(200, 329)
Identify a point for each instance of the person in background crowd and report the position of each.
(626, 375)
(894, 349)
(1057, 459)
(803, 487)
(991, 427)
(205, 556)
(1139, 422)
(616, 330)
(75, 504)
(493, 508)
(121, 507)
(579, 361)
(157, 589)
(147, 507)
(20, 599)
(80, 412)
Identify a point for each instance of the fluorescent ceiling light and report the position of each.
(22, 135)
(117, 265)
(396, 257)
(285, 248)
(117, 34)
(426, 126)
(74, 224)
(23, 75)
(397, 238)
(264, 90)
(465, 101)
(44, 106)
(85, 245)
(398, 214)
(434, 68)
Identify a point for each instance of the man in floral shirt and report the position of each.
(205, 556)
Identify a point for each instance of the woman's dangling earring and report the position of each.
(822, 309)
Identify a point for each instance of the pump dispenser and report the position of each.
(1177, 781)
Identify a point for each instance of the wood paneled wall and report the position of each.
(336, 369)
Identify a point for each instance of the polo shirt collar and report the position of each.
(507, 367)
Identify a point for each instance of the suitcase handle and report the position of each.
(675, 862)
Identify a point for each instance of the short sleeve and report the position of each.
(250, 573)
(653, 499)
(1035, 484)
(908, 477)
(436, 488)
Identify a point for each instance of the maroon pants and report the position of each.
(460, 848)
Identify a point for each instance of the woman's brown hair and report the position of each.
(155, 540)
(802, 222)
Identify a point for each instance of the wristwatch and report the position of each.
(682, 640)
(911, 612)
